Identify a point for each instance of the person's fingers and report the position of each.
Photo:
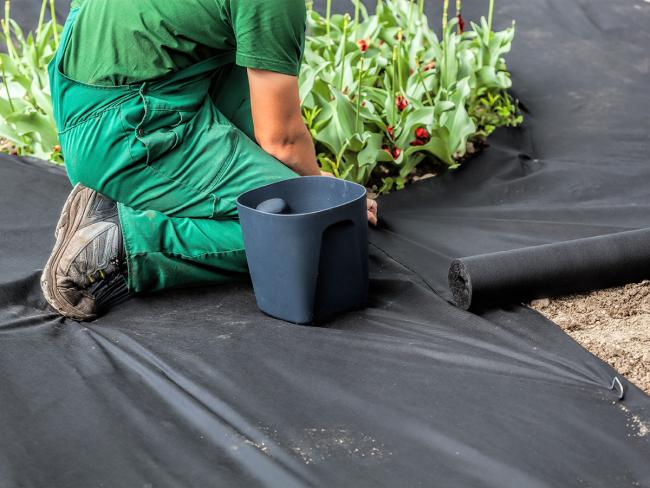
(372, 218)
(372, 211)
(325, 173)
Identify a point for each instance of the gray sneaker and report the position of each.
(86, 271)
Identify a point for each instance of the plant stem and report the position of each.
(344, 40)
(393, 103)
(399, 59)
(459, 7)
(421, 7)
(41, 17)
(356, 121)
(424, 87)
(328, 14)
(408, 25)
(4, 82)
(490, 14)
(11, 50)
(55, 25)
(445, 13)
(356, 17)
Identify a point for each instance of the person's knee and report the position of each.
(96, 151)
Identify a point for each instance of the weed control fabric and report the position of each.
(551, 269)
(197, 388)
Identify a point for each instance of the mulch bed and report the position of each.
(613, 324)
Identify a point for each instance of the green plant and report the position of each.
(26, 120)
(494, 109)
(382, 94)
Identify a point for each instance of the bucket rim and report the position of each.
(363, 195)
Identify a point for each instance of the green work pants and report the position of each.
(175, 154)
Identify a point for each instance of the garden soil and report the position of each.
(198, 388)
(613, 324)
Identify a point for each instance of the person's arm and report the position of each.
(279, 128)
(277, 121)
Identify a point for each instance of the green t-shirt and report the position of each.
(117, 42)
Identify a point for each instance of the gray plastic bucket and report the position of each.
(310, 263)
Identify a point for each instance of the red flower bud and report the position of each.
(417, 142)
(56, 148)
(430, 65)
(363, 45)
(421, 133)
(394, 152)
(461, 24)
(401, 102)
(390, 131)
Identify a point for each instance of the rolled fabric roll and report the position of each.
(551, 269)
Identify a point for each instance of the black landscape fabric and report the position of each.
(198, 388)
(550, 269)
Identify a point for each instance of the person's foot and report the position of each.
(85, 273)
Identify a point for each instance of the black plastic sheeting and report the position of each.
(198, 388)
(559, 268)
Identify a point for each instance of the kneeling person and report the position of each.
(167, 112)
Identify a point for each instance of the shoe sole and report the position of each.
(65, 230)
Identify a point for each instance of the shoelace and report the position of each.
(92, 277)
(99, 275)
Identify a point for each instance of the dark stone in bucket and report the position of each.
(312, 263)
(274, 206)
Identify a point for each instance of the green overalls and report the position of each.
(174, 159)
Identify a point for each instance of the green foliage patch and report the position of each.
(26, 121)
(382, 95)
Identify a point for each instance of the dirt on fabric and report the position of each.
(613, 324)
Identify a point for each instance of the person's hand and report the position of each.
(372, 211)
(371, 204)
